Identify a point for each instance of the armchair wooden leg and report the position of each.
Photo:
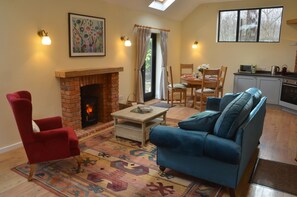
(32, 170)
(79, 161)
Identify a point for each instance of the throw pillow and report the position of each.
(203, 121)
(233, 116)
(257, 95)
(228, 98)
(35, 126)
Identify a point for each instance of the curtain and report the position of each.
(142, 41)
(163, 79)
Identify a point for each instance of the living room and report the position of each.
(31, 66)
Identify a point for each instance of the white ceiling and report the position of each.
(177, 11)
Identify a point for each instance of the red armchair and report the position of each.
(53, 142)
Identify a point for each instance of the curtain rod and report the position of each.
(167, 30)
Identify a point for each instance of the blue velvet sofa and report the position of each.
(215, 145)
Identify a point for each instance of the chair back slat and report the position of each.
(171, 77)
(210, 79)
(186, 69)
(223, 72)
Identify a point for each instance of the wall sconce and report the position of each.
(195, 45)
(126, 41)
(46, 40)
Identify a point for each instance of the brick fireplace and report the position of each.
(71, 82)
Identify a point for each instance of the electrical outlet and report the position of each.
(121, 97)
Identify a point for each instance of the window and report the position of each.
(250, 25)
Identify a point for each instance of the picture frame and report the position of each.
(86, 35)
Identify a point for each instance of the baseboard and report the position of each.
(11, 147)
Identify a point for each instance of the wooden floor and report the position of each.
(278, 143)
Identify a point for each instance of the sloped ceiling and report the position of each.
(177, 11)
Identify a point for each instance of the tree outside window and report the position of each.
(250, 25)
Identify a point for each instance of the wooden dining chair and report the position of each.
(209, 87)
(223, 72)
(176, 88)
(187, 69)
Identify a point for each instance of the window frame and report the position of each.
(258, 27)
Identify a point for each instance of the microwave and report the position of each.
(245, 68)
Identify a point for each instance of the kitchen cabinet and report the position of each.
(270, 86)
(241, 83)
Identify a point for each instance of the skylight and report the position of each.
(161, 4)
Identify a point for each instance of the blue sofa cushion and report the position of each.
(203, 121)
(257, 95)
(228, 98)
(178, 140)
(233, 115)
(221, 149)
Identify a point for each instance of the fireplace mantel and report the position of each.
(86, 72)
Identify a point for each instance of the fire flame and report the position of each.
(89, 108)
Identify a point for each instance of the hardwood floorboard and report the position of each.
(277, 143)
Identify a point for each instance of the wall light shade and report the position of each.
(126, 41)
(46, 40)
(195, 45)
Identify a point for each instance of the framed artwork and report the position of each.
(86, 36)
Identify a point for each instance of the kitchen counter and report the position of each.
(279, 89)
(288, 75)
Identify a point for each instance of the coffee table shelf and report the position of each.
(136, 126)
(133, 131)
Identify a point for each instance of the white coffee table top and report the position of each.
(140, 117)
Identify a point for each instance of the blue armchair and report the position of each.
(215, 145)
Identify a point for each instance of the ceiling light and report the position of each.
(161, 4)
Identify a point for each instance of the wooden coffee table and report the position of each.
(136, 126)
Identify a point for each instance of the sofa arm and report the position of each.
(222, 149)
(178, 140)
(213, 104)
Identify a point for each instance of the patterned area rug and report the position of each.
(116, 167)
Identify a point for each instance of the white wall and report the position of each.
(25, 64)
(201, 25)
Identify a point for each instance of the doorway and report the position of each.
(149, 70)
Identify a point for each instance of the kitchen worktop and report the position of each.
(288, 75)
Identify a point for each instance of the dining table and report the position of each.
(193, 82)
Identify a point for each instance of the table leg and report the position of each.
(115, 120)
(164, 118)
(143, 134)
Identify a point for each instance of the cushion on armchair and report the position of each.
(35, 127)
(228, 98)
(203, 121)
(233, 115)
(257, 95)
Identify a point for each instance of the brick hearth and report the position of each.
(72, 80)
